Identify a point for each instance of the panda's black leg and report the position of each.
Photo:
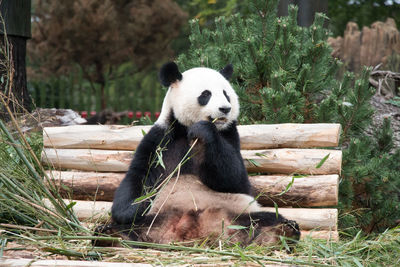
(140, 174)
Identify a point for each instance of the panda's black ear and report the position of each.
(227, 71)
(169, 74)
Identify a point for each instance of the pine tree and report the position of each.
(371, 184)
(285, 73)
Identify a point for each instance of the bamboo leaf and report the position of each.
(319, 165)
(147, 196)
(289, 185)
(284, 243)
(70, 205)
(236, 227)
(357, 262)
(253, 162)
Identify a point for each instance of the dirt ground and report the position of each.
(385, 110)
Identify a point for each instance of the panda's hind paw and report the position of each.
(291, 230)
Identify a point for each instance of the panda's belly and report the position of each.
(186, 192)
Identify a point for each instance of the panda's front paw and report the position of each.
(205, 131)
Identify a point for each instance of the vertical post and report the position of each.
(307, 9)
(14, 33)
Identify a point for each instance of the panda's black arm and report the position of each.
(222, 168)
(140, 173)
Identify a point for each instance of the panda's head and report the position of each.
(198, 94)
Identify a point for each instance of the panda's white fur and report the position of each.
(181, 98)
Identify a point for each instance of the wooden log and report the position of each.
(87, 185)
(88, 211)
(87, 160)
(64, 263)
(118, 137)
(289, 161)
(115, 137)
(289, 135)
(326, 235)
(308, 219)
(309, 191)
(284, 161)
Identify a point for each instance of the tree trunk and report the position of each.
(17, 95)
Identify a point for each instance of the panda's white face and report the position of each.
(202, 94)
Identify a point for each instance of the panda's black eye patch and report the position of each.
(227, 97)
(204, 98)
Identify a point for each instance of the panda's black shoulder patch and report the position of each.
(169, 73)
(227, 71)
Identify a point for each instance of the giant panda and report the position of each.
(191, 159)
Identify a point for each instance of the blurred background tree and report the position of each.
(86, 52)
(96, 37)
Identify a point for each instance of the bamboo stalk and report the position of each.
(59, 205)
(65, 263)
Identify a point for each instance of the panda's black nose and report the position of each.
(225, 110)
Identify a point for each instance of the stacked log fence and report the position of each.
(293, 166)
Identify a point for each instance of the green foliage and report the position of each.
(284, 73)
(371, 184)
